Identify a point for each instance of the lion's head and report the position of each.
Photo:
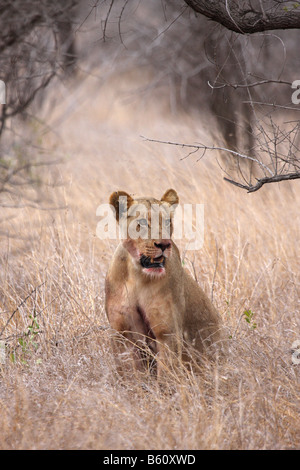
(146, 226)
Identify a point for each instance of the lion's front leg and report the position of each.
(167, 329)
(129, 341)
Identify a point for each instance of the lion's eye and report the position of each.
(143, 222)
(167, 222)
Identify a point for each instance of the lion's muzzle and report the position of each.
(148, 262)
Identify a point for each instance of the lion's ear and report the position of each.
(171, 197)
(121, 201)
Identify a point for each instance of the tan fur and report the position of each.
(163, 308)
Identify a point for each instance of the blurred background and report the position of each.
(237, 85)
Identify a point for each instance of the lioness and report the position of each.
(150, 298)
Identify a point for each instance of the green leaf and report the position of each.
(248, 315)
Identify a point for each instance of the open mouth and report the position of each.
(148, 262)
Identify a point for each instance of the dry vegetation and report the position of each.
(58, 386)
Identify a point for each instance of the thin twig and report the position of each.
(20, 305)
(248, 85)
(213, 147)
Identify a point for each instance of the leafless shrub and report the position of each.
(240, 80)
(36, 45)
(201, 64)
(35, 41)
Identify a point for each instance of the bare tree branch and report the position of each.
(213, 147)
(248, 85)
(248, 17)
(276, 175)
(262, 181)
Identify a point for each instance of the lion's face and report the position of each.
(146, 225)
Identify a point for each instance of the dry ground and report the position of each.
(58, 385)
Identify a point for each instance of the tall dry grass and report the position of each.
(58, 386)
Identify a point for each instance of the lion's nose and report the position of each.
(163, 245)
